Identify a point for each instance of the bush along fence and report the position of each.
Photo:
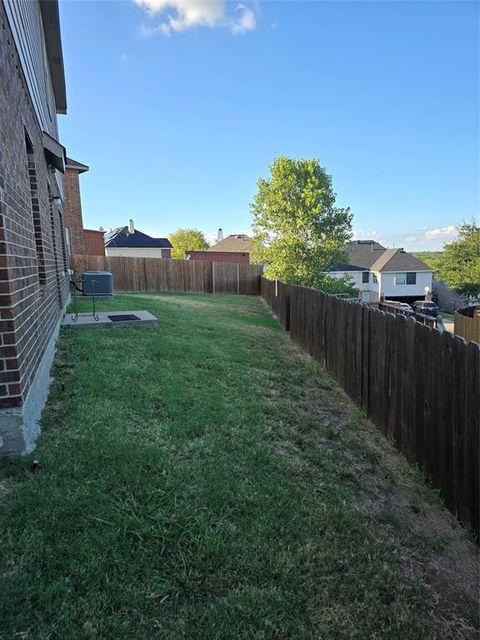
(421, 387)
(159, 274)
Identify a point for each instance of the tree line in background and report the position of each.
(459, 262)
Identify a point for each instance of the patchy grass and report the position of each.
(209, 480)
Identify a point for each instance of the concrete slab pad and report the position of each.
(111, 319)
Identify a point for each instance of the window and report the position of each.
(35, 206)
(374, 278)
(400, 278)
(365, 277)
(412, 277)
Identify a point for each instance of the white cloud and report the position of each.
(441, 232)
(188, 14)
(244, 21)
(361, 234)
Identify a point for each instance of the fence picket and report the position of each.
(422, 388)
(155, 274)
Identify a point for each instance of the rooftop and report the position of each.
(122, 237)
(369, 254)
(236, 242)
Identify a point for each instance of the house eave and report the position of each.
(53, 44)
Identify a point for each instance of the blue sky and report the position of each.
(179, 106)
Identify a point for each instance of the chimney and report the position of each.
(131, 228)
(219, 235)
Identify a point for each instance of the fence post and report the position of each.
(238, 279)
(213, 277)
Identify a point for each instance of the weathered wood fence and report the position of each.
(157, 274)
(467, 326)
(421, 387)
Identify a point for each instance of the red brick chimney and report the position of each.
(72, 210)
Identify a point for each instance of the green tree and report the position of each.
(299, 233)
(460, 266)
(432, 258)
(185, 240)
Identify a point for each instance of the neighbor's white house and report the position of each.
(129, 242)
(392, 274)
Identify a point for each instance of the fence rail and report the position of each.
(421, 387)
(159, 274)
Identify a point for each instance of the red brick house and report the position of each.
(79, 240)
(234, 248)
(34, 282)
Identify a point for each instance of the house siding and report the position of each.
(138, 252)
(390, 289)
(94, 242)
(385, 286)
(33, 271)
(235, 257)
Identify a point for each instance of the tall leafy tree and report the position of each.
(299, 233)
(460, 266)
(185, 240)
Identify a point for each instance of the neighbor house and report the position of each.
(129, 242)
(380, 273)
(234, 248)
(79, 240)
(34, 281)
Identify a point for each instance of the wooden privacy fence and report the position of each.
(467, 326)
(421, 387)
(159, 274)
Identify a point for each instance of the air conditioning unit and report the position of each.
(98, 283)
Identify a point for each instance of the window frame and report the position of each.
(366, 273)
(411, 273)
(401, 273)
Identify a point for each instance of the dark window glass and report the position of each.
(365, 277)
(411, 277)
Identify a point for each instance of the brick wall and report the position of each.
(220, 256)
(33, 275)
(73, 210)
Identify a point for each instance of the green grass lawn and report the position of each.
(447, 317)
(207, 480)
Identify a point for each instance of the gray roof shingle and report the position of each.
(235, 242)
(368, 254)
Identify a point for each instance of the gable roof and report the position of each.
(122, 238)
(236, 242)
(369, 255)
(399, 260)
